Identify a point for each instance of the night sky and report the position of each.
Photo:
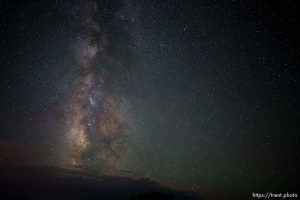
(201, 95)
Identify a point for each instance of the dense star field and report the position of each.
(196, 96)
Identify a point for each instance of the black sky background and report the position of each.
(214, 85)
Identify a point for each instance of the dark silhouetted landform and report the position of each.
(55, 183)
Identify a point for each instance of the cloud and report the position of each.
(12, 152)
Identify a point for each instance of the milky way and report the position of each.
(96, 123)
